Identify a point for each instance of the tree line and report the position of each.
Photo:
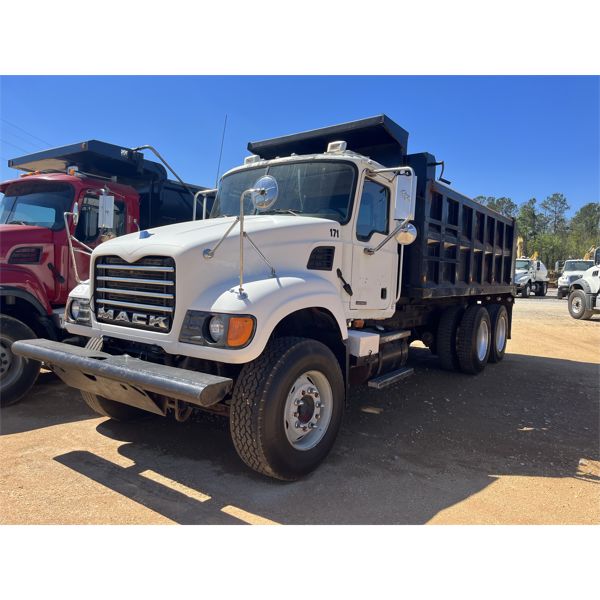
(546, 228)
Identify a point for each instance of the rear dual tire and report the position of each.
(470, 338)
(473, 339)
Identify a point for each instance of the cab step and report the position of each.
(390, 378)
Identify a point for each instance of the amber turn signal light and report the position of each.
(240, 331)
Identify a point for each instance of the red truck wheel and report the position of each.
(17, 374)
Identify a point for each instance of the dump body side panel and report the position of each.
(462, 248)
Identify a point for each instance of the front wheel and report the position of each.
(577, 307)
(17, 374)
(287, 408)
(525, 291)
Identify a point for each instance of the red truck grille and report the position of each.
(139, 295)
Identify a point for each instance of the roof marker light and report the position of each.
(253, 158)
(335, 147)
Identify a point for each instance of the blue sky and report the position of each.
(520, 137)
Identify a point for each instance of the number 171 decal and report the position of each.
(334, 233)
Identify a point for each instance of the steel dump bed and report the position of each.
(462, 247)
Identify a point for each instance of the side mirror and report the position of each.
(75, 214)
(538, 265)
(407, 235)
(406, 194)
(265, 193)
(106, 211)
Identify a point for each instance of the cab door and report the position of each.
(374, 276)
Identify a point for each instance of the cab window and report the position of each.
(87, 228)
(373, 215)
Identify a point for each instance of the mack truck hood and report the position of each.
(22, 235)
(285, 240)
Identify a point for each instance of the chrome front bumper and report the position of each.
(123, 378)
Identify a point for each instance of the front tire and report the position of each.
(287, 408)
(17, 374)
(473, 339)
(577, 307)
(525, 291)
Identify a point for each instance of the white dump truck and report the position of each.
(325, 255)
(531, 275)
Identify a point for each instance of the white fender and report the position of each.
(270, 301)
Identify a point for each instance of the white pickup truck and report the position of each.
(325, 255)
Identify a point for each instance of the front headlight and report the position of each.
(78, 311)
(221, 331)
(216, 328)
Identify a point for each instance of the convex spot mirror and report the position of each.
(407, 235)
(406, 195)
(106, 211)
(265, 192)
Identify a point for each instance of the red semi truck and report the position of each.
(36, 269)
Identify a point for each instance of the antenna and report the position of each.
(221, 152)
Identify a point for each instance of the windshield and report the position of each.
(317, 189)
(522, 264)
(39, 203)
(578, 265)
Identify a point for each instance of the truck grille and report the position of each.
(139, 294)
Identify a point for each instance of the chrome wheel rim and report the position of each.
(576, 305)
(9, 363)
(483, 340)
(501, 328)
(308, 410)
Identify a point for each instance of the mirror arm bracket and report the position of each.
(399, 227)
(273, 273)
(208, 252)
(70, 238)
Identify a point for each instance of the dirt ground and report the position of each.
(518, 443)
